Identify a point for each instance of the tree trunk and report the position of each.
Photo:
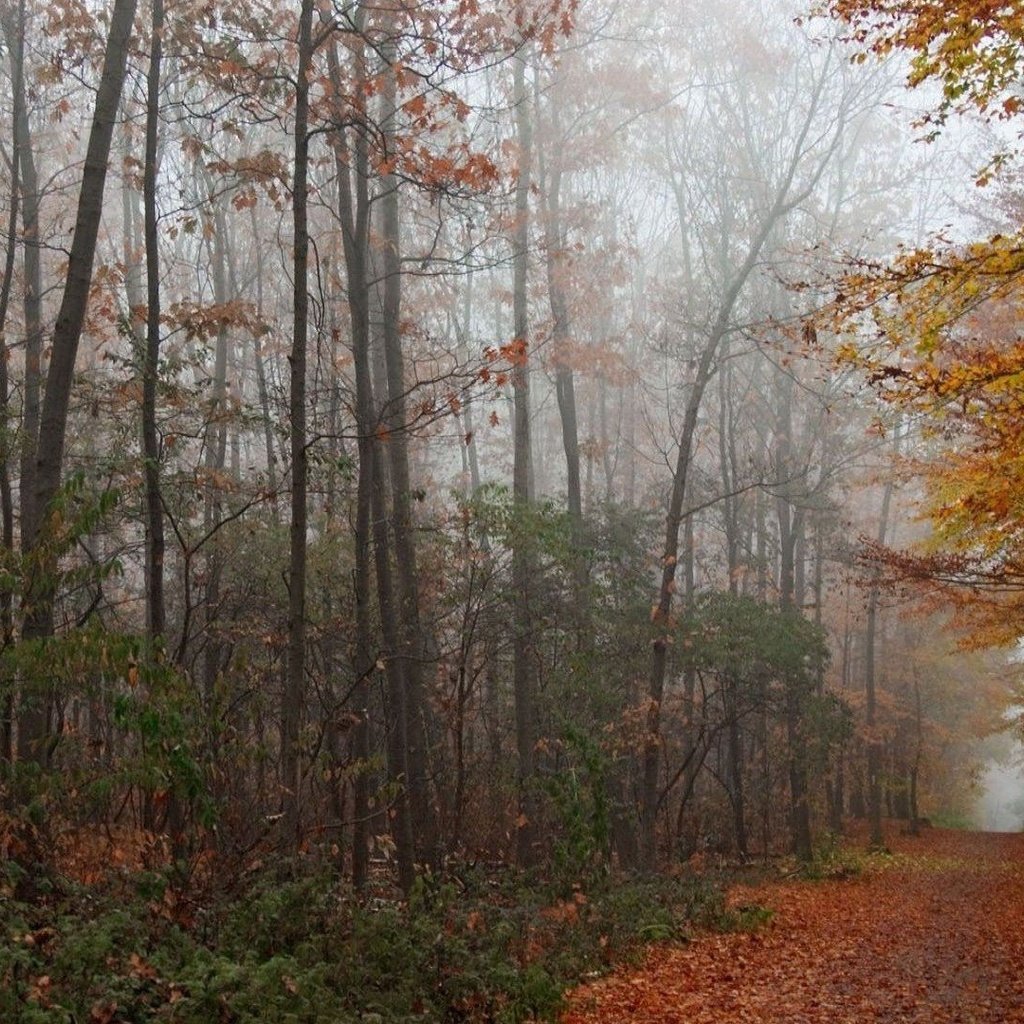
(791, 521)
(782, 204)
(662, 612)
(262, 392)
(294, 687)
(354, 213)
(565, 386)
(915, 764)
(462, 330)
(26, 180)
(155, 613)
(730, 517)
(522, 560)
(691, 732)
(874, 744)
(215, 458)
(6, 499)
(41, 589)
(411, 648)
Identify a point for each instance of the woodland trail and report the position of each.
(932, 935)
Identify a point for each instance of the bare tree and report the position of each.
(815, 122)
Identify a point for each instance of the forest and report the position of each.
(479, 477)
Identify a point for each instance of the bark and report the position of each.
(6, 498)
(262, 391)
(834, 780)
(396, 735)
(915, 765)
(27, 182)
(735, 760)
(730, 517)
(691, 730)
(565, 385)
(727, 461)
(791, 525)
(470, 455)
(662, 614)
(214, 461)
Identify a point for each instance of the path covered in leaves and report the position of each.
(933, 935)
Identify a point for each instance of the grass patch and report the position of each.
(834, 859)
(747, 918)
(956, 820)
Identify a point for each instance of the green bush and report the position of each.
(297, 949)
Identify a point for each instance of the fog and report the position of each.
(494, 402)
(1000, 807)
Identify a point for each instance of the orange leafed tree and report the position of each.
(938, 330)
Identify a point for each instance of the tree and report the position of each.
(815, 121)
(352, 161)
(934, 328)
(39, 624)
(6, 287)
(522, 560)
(26, 178)
(295, 682)
(156, 614)
(972, 50)
(536, 341)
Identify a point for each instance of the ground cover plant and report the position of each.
(289, 943)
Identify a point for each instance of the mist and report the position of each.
(1001, 804)
(524, 431)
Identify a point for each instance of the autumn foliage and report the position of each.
(972, 49)
(936, 329)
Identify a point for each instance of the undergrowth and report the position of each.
(835, 859)
(295, 947)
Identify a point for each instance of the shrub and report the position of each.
(293, 948)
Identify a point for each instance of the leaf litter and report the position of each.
(933, 934)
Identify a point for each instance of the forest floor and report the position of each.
(932, 933)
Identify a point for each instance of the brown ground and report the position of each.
(934, 935)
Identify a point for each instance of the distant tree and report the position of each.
(815, 120)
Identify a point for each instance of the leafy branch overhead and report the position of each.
(936, 329)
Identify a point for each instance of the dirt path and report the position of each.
(936, 936)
